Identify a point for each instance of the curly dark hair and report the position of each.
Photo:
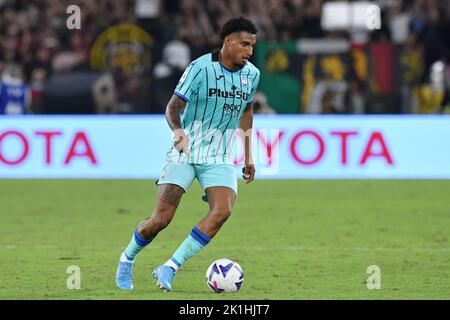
(236, 25)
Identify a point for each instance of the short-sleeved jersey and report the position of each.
(216, 98)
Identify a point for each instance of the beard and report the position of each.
(240, 64)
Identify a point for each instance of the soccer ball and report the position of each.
(224, 275)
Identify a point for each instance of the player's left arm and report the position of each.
(245, 128)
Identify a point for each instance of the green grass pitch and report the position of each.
(295, 239)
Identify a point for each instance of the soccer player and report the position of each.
(215, 92)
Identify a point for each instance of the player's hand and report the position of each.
(248, 172)
(181, 142)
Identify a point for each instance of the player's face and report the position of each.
(241, 47)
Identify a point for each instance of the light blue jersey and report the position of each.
(216, 98)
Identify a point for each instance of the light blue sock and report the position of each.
(195, 241)
(136, 245)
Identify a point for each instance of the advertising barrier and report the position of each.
(284, 146)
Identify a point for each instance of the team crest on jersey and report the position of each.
(244, 81)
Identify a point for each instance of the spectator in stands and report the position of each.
(176, 57)
(33, 33)
(434, 35)
(260, 105)
(74, 55)
(14, 94)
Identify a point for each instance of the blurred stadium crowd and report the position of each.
(129, 54)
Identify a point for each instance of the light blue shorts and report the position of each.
(209, 175)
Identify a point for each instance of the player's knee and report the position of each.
(221, 214)
(159, 220)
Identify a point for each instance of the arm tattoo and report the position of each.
(170, 193)
(173, 110)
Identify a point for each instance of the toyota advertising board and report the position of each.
(343, 147)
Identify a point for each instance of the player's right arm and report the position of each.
(173, 111)
(186, 87)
